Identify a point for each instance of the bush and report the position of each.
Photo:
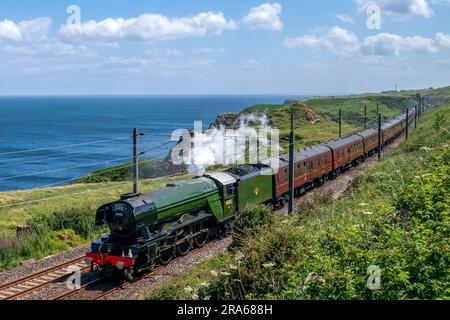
(79, 219)
(250, 219)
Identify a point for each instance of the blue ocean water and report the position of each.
(49, 141)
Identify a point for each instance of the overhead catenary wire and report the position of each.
(63, 169)
(93, 174)
(76, 167)
(63, 146)
(79, 193)
(72, 155)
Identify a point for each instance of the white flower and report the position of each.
(188, 289)
(363, 204)
(214, 273)
(426, 149)
(269, 265)
(314, 278)
(225, 274)
(369, 213)
(239, 256)
(233, 267)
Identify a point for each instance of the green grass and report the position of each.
(395, 216)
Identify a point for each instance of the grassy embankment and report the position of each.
(395, 216)
(66, 220)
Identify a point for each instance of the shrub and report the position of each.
(249, 220)
(78, 219)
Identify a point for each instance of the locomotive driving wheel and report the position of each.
(166, 251)
(201, 238)
(184, 243)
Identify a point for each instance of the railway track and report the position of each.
(39, 280)
(100, 289)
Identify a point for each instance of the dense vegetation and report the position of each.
(396, 216)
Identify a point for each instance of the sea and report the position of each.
(52, 141)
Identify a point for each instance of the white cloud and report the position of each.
(10, 31)
(345, 18)
(266, 16)
(386, 44)
(400, 8)
(30, 38)
(443, 40)
(337, 40)
(149, 27)
(30, 30)
(341, 42)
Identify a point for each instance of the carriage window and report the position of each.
(286, 176)
(305, 166)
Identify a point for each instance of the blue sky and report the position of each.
(222, 47)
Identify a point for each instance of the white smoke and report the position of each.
(250, 143)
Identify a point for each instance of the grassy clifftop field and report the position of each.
(394, 218)
(317, 120)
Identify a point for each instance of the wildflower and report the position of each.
(426, 149)
(313, 277)
(239, 256)
(225, 274)
(188, 289)
(369, 213)
(5, 243)
(269, 265)
(363, 204)
(214, 273)
(233, 267)
(204, 284)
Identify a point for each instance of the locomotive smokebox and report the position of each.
(127, 216)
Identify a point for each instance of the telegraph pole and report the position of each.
(415, 117)
(407, 124)
(379, 136)
(340, 123)
(378, 109)
(135, 161)
(291, 166)
(365, 117)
